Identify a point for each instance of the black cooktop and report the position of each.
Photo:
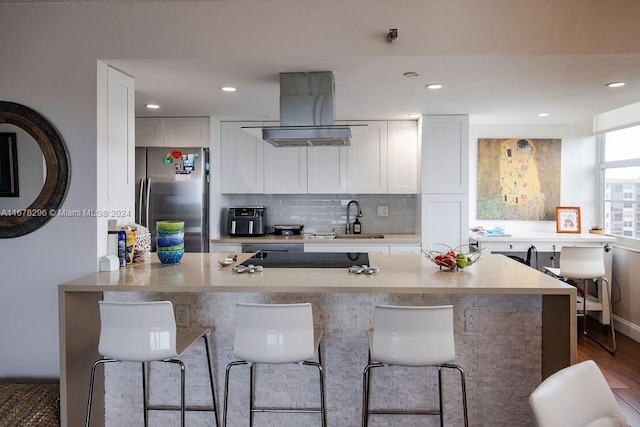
(308, 259)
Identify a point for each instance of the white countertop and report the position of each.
(538, 236)
(389, 239)
(399, 273)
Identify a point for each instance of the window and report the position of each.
(620, 181)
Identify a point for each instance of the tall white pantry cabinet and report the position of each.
(444, 186)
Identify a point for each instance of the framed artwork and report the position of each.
(518, 178)
(568, 219)
(8, 165)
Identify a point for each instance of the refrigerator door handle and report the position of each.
(148, 195)
(140, 195)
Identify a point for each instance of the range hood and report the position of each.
(306, 113)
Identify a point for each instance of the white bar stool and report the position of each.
(576, 396)
(412, 337)
(275, 334)
(146, 332)
(586, 263)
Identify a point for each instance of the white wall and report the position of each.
(579, 178)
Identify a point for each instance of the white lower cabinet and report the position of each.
(405, 249)
(228, 248)
(347, 248)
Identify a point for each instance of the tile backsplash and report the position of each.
(324, 212)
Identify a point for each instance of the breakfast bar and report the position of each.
(526, 331)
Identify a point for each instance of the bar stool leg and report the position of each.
(612, 349)
(182, 389)
(440, 404)
(226, 389)
(463, 387)
(318, 365)
(213, 393)
(251, 380)
(145, 397)
(87, 420)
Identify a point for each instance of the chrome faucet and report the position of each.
(359, 215)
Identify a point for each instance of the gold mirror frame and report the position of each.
(54, 190)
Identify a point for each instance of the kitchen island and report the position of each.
(527, 330)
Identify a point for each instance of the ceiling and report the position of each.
(491, 89)
(499, 62)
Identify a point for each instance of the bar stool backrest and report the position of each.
(413, 336)
(582, 262)
(274, 333)
(137, 331)
(576, 396)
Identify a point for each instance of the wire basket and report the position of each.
(453, 259)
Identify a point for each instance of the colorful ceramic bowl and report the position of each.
(179, 247)
(165, 241)
(170, 225)
(170, 257)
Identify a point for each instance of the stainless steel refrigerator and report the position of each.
(173, 184)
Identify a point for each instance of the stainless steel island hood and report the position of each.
(306, 113)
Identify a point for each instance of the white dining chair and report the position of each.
(412, 337)
(146, 332)
(275, 334)
(586, 265)
(576, 396)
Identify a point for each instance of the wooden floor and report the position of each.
(621, 370)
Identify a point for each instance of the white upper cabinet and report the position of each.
(186, 131)
(172, 132)
(148, 131)
(367, 158)
(327, 170)
(285, 170)
(445, 154)
(242, 159)
(402, 157)
(382, 158)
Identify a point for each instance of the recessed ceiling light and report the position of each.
(543, 114)
(152, 106)
(434, 86)
(411, 74)
(228, 89)
(263, 116)
(615, 84)
(413, 115)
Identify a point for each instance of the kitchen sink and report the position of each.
(360, 236)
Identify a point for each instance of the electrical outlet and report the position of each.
(182, 315)
(383, 211)
(472, 320)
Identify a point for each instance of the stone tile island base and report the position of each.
(502, 363)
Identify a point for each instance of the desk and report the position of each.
(527, 330)
(548, 247)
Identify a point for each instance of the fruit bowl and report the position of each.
(452, 258)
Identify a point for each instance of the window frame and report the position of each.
(629, 241)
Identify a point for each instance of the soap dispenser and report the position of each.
(357, 227)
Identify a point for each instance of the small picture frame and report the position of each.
(568, 219)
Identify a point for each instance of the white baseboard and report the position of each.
(627, 328)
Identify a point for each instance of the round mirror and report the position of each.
(18, 221)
